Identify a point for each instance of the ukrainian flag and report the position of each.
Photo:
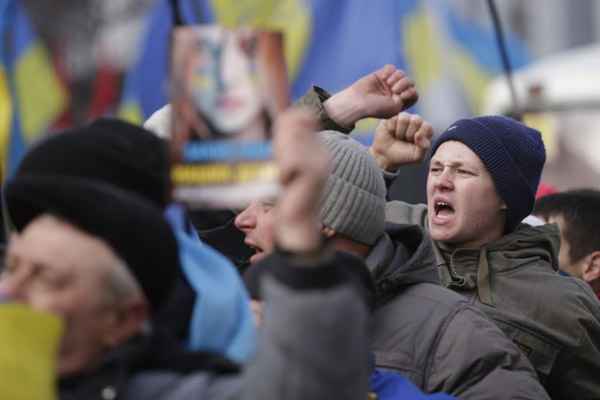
(146, 83)
(333, 43)
(452, 59)
(31, 96)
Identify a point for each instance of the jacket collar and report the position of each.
(468, 269)
(401, 257)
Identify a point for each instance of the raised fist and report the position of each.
(402, 139)
(380, 94)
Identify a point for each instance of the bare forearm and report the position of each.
(344, 109)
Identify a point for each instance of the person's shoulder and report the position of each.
(567, 305)
(527, 237)
(400, 212)
(571, 290)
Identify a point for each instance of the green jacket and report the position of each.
(555, 320)
(434, 336)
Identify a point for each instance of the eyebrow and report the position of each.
(454, 164)
(270, 200)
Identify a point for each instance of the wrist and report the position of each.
(310, 257)
(344, 109)
(306, 256)
(382, 161)
(300, 237)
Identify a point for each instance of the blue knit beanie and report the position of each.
(513, 153)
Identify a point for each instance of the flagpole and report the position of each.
(504, 56)
(177, 18)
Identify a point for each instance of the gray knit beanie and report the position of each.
(353, 202)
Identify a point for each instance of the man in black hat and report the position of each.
(127, 156)
(82, 253)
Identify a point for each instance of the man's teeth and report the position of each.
(441, 205)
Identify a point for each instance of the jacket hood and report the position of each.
(401, 257)
(526, 241)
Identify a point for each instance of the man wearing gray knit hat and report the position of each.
(482, 180)
(429, 334)
(353, 203)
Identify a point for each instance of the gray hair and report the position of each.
(121, 285)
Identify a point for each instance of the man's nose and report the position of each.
(445, 180)
(247, 218)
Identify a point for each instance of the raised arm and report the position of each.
(380, 94)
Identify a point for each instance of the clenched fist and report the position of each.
(402, 139)
(380, 94)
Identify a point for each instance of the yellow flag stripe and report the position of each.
(130, 111)
(40, 96)
(5, 119)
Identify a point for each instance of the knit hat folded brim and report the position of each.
(134, 229)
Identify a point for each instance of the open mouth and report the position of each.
(258, 252)
(443, 209)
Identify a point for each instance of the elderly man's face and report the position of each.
(464, 207)
(56, 268)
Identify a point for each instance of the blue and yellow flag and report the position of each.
(146, 85)
(31, 96)
(452, 58)
(328, 43)
(333, 43)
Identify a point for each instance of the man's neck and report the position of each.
(473, 244)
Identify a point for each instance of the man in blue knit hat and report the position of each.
(482, 179)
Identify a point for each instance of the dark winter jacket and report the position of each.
(555, 320)
(434, 336)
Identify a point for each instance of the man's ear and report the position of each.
(591, 269)
(328, 232)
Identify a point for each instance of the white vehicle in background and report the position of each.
(560, 96)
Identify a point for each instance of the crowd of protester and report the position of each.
(332, 290)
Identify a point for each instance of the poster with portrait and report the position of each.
(227, 87)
